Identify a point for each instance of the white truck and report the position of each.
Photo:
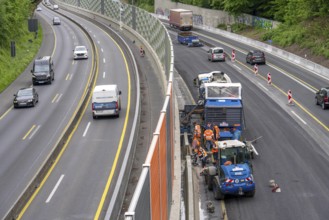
(106, 101)
(181, 19)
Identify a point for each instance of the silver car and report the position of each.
(56, 21)
(216, 54)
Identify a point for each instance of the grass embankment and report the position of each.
(26, 49)
(307, 39)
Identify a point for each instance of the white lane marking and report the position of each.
(70, 78)
(299, 117)
(263, 87)
(59, 97)
(86, 130)
(55, 188)
(102, 50)
(94, 36)
(103, 74)
(236, 67)
(98, 42)
(34, 132)
(103, 60)
(297, 81)
(89, 31)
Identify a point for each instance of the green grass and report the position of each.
(26, 49)
(311, 34)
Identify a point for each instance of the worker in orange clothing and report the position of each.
(197, 130)
(214, 151)
(209, 137)
(217, 132)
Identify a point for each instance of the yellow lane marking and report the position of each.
(295, 101)
(27, 205)
(27, 134)
(67, 76)
(4, 114)
(223, 208)
(115, 162)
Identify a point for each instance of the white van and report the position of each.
(106, 101)
(216, 54)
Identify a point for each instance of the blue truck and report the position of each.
(233, 174)
(189, 39)
(220, 103)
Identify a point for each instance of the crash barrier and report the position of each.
(153, 195)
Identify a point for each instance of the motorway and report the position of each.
(28, 135)
(81, 179)
(294, 146)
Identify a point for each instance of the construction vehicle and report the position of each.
(181, 19)
(189, 39)
(233, 172)
(219, 102)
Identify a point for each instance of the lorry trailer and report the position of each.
(181, 19)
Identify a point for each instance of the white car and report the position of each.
(80, 52)
(39, 9)
(56, 21)
(55, 7)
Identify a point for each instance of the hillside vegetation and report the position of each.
(13, 19)
(304, 28)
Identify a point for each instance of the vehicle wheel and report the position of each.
(247, 61)
(251, 193)
(33, 103)
(323, 106)
(316, 101)
(94, 116)
(208, 179)
(217, 192)
(49, 82)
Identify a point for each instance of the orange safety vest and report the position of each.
(214, 149)
(197, 131)
(208, 134)
(217, 131)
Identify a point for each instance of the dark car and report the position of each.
(43, 70)
(256, 56)
(26, 97)
(322, 97)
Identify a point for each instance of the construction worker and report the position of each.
(236, 133)
(197, 130)
(203, 156)
(217, 132)
(214, 151)
(209, 137)
(195, 143)
(141, 51)
(208, 126)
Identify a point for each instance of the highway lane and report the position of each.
(286, 75)
(290, 153)
(79, 184)
(29, 135)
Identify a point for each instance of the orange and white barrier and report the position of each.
(256, 69)
(269, 78)
(233, 56)
(290, 101)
